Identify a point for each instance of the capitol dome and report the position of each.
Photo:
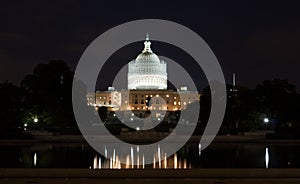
(147, 71)
(147, 57)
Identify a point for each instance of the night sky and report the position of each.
(257, 40)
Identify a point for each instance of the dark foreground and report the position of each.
(150, 176)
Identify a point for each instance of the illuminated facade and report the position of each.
(143, 100)
(147, 88)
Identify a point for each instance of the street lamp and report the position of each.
(266, 120)
(35, 120)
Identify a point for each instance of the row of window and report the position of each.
(149, 80)
(105, 102)
(154, 108)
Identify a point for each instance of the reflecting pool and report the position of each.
(217, 155)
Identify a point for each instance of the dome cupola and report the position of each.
(147, 54)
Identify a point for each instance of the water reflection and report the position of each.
(267, 157)
(199, 147)
(217, 155)
(34, 159)
(114, 162)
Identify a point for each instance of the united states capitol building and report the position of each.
(147, 88)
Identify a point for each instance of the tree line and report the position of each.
(43, 101)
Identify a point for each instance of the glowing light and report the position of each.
(199, 147)
(111, 163)
(159, 156)
(175, 161)
(99, 163)
(137, 128)
(266, 120)
(132, 157)
(165, 161)
(35, 120)
(114, 155)
(95, 162)
(34, 159)
(143, 162)
(267, 157)
(25, 125)
(127, 165)
(138, 157)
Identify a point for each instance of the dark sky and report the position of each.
(256, 39)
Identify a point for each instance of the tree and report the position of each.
(49, 89)
(103, 112)
(11, 108)
(278, 100)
